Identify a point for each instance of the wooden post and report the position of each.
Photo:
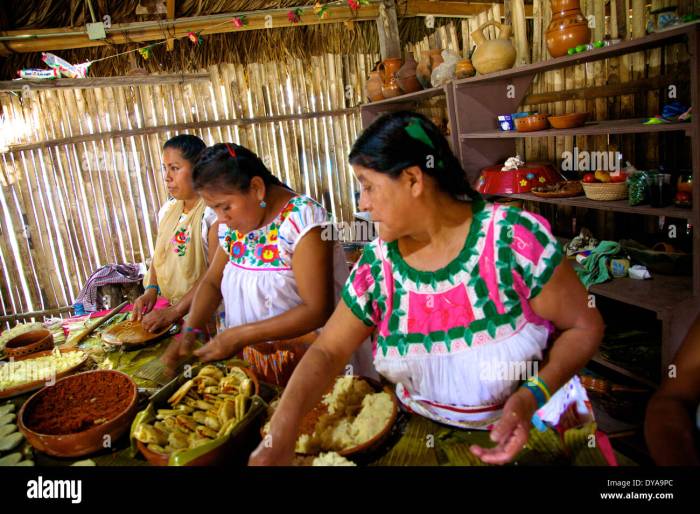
(388, 29)
(519, 32)
(170, 45)
(508, 12)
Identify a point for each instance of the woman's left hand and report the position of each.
(160, 319)
(226, 344)
(510, 432)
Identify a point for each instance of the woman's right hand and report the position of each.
(180, 349)
(144, 304)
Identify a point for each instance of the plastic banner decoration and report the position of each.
(145, 52)
(321, 10)
(239, 21)
(195, 38)
(295, 15)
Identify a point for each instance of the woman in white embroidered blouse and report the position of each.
(276, 275)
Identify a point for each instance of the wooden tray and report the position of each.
(131, 333)
(38, 384)
(574, 189)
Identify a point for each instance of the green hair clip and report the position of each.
(416, 131)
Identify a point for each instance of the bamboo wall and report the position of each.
(69, 207)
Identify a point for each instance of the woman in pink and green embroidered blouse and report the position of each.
(460, 296)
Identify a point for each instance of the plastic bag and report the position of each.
(445, 72)
(638, 188)
(68, 70)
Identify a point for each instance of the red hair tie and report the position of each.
(230, 150)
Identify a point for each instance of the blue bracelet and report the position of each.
(152, 286)
(537, 393)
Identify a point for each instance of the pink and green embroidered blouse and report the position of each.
(437, 332)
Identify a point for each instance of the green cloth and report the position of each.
(596, 267)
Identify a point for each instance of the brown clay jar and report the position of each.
(373, 87)
(568, 28)
(406, 76)
(388, 68)
(424, 70)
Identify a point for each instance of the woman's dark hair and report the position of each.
(402, 139)
(231, 166)
(190, 146)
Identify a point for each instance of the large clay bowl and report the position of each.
(86, 441)
(565, 121)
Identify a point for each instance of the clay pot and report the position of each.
(436, 58)
(392, 90)
(373, 87)
(30, 342)
(424, 70)
(568, 28)
(496, 54)
(388, 69)
(464, 69)
(406, 76)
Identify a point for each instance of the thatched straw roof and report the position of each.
(250, 46)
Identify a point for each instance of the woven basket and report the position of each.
(605, 191)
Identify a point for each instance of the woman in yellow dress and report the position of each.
(187, 239)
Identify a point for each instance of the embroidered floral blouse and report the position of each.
(438, 332)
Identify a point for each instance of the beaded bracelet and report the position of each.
(538, 389)
(198, 332)
(154, 286)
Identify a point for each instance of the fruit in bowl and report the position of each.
(618, 177)
(602, 176)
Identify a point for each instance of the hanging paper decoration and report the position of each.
(145, 52)
(239, 21)
(355, 4)
(295, 15)
(195, 38)
(321, 10)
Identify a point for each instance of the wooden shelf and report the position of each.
(418, 96)
(90, 82)
(599, 359)
(658, 294)
(675, 35)
(616, 205)
(630, 126)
